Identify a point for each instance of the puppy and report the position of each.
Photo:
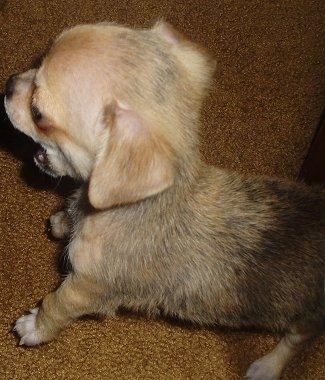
(152, 227)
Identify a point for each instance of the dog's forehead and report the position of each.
(95, 44)
(95, 59)
(81, 54)
(84, 43)
(62, 62)
(65, 72)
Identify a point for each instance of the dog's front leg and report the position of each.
(62, 221)
(59, 223)
(78, 295)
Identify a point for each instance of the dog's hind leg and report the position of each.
(271, 366)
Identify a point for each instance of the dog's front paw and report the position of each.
(26, 329)
(59, 225)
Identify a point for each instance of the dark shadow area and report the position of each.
(23, 148)
(313, 168)
(12, 140)
(3, 3)
(63, 264)
(190, 325)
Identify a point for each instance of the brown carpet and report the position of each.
(265, 104)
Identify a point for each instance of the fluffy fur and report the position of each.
(152, 227)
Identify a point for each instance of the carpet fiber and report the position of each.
(259, 118)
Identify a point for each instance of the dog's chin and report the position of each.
(42, 162)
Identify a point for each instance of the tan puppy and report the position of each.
(152, 227)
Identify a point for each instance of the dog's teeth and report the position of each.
(41, 156)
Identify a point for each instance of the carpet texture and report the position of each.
(259, 118)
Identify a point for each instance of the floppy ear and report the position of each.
(135, 163)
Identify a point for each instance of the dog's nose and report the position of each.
(10, 85)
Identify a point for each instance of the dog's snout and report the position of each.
(10, 85)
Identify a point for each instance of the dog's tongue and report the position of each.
(41, 157)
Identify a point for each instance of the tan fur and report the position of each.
(138, 162)
(152, 227)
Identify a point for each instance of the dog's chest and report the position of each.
(86, 245)
(120, 249)
(100, 244)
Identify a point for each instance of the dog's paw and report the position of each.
(259, 370)
(59, 225)
(26, 329)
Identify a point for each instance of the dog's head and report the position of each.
(115, 107)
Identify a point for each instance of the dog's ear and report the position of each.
(168, 32)
(134, 163)
(195, 58)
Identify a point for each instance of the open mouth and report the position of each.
(41, 158)
(42, 162)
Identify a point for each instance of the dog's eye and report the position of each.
(37, 116)
(42, 123)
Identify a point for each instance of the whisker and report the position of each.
(58, 183)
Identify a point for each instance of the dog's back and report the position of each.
(229, 250)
